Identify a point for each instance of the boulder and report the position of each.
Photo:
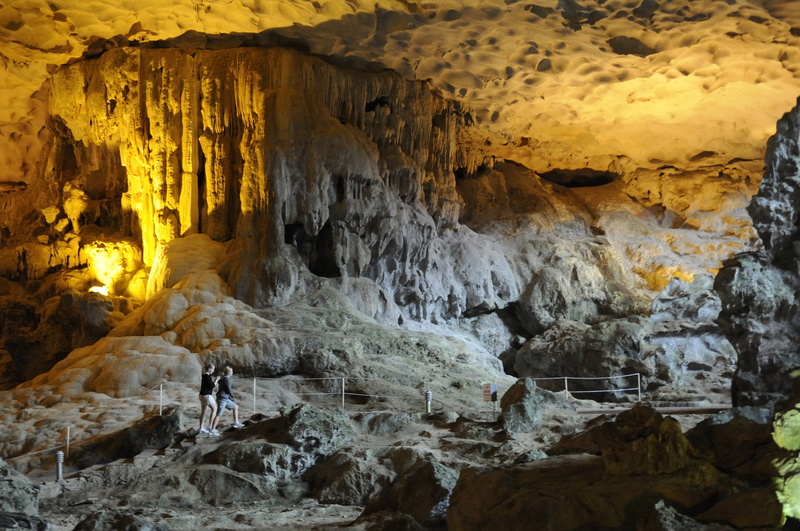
(570, 493)
(739, 509)
(382, 424)
(316, 431)
(642, 442)
(523, 403)
(219, 485)
(18, 494)
(150, 433)
(732, 438)
(423, 492)
(298, 439)
(19, 501)
(351, 477)
(279, 466)
(575, 349)
(591, 440)
(200, 484)
(639, 441)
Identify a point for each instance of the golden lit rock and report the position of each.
(75, 204)
(113, 263)
(786, 429)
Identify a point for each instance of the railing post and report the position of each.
(344, 379)
(160, 398)
(566, 387)
(494, 400)
(639, 385)
(59, 463)
(254, 395)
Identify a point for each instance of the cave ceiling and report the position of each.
(554, 85)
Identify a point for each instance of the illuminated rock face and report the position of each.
(214, 142)
(354, 170)
(300, 171)
(338, 200)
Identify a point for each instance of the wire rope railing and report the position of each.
(269, 394)
(567, 390)
(342, 389)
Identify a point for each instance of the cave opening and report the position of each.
(579, 178)
(464, 173)
(380, 101)
(316, 252)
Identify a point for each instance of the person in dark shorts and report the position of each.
(225, 400)
(207, 385)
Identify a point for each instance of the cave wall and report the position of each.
(759, 290)
(307, 171)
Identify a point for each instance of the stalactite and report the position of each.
(186, 103)
(189, 203)
(239, 143)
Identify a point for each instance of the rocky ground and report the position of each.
(305, 467)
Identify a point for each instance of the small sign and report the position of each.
(490, 392)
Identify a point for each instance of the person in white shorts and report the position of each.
(207, 385)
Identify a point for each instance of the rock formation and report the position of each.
(413, 202)
(19, 507)
(621, 472)
(759, 290)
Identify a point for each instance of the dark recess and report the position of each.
(579, 178)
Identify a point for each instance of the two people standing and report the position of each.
(223, 401)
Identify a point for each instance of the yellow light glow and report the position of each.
(103, 290)
(658, 277)
(113, 263)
